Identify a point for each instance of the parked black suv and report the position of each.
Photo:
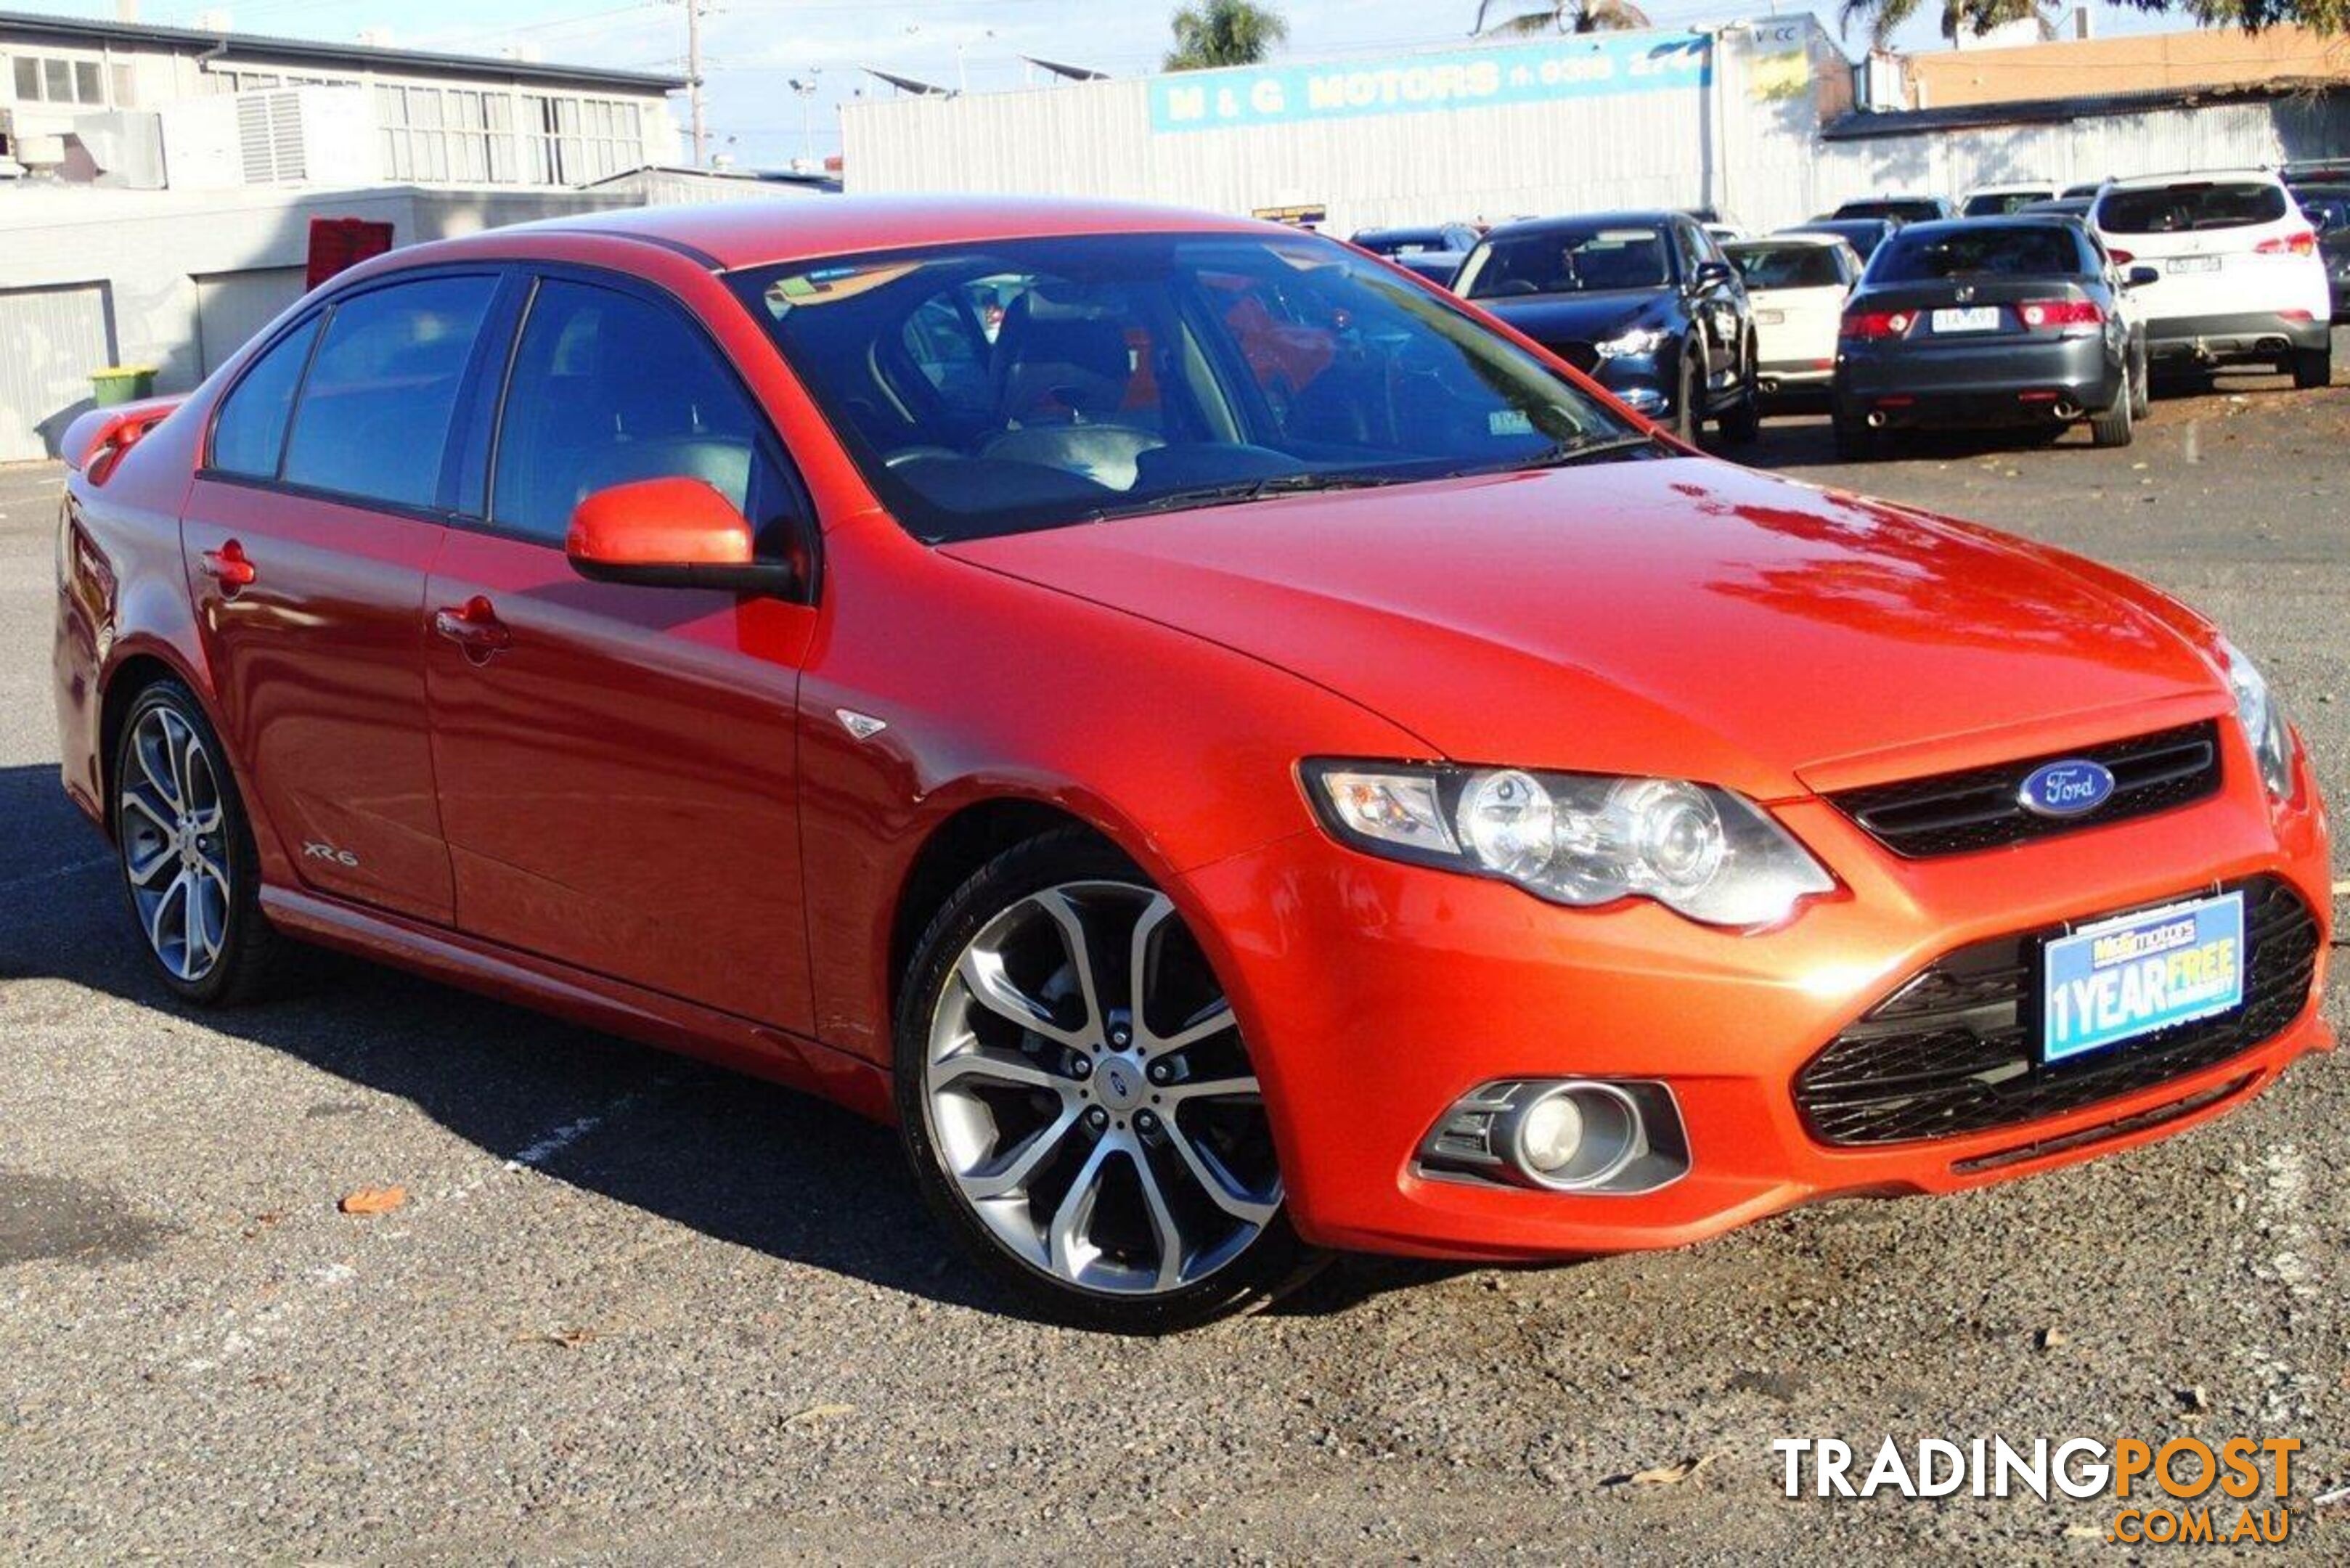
(1643, 301)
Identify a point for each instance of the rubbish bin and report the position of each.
(122, 384)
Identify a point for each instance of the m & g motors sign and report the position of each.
(1584, 66)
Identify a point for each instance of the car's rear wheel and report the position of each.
(188, 869)
(1076, 1100)
(2115, 427)
(2312, 368)
(1854, 440)
(1689, 391)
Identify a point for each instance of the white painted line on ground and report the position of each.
(55, 872)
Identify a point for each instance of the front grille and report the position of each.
(1582, 356)
(1956, 1049)
(1952, 814)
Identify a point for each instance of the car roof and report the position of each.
(2196, 177)
(1650, 215)
(1792, 237)
(2015, 187)
(728, 235)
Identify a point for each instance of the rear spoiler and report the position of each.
(96, 441)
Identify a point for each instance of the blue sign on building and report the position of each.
(1584, 66)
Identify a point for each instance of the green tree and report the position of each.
(1981, 17)
(1570, 17)
(1225, 33)
(1977, 16)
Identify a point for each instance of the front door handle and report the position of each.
(474, 627)
(228, 566)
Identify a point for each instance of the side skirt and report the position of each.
(595, 1001)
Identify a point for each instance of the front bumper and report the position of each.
(2221, 340)
(1999, 382)
(1378, 994)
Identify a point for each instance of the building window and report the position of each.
(472, 136)
(47, 79)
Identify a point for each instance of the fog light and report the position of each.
(1569, 1135)
(1550, 1134)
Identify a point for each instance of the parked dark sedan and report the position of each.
(1988, 323)
(1644, 302)
(1863, 234)
(1403, 243)
(2327, 208)
(1900, 209)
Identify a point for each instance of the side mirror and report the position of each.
(669, 533)
(1708, 273)
(2139, 277)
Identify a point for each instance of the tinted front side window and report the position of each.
(375, 411)
(609, 388)
(2177, 209)
(250, 434)
(1921, 257)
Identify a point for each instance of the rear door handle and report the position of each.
(474, 627)
(229, 566)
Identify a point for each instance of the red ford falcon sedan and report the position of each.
(1233, 751)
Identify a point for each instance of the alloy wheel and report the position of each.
(1089, 1096)
(173, 827)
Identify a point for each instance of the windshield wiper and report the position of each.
(1245, 490)
(1567, 453)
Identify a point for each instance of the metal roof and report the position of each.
(259, 49)
(1860, 123)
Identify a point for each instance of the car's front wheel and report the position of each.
(1076, 1100)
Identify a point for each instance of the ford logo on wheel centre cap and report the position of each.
(2066, 789)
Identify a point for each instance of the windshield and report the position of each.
(2176, 209)
(1567, 261)
(1787, 266)
(1980, 249)
(1024, 384)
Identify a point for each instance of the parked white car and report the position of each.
(1797, 285)
(2240, 278)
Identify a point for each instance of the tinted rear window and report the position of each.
(250, 434)
(2000, 205)
(1915, 256)
(375, 411)
(1788, 266)
(1910, 211)
(2179, 209)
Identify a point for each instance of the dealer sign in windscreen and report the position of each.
(2121, 979)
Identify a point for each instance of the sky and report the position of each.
(753, 50)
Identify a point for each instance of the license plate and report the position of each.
(1975, 318)
(1769, 317)
(2192, 264)
(2121, 979)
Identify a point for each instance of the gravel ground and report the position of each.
(633, 1309)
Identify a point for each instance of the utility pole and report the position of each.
(693, 82)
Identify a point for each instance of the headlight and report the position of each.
(1640, 340)
(1576, 838)
(2263, 717)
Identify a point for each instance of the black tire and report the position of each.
(1689, 394)
(2115, 427)
(1740, 424)
(1273, 1262)
(2312, 368)
(1854, 442)
(253, 960)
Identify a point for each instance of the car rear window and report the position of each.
(1787, 266)
(1997, 205)
(1909, 210)
(2179, 209)
(1980, 249)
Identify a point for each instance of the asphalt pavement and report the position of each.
(632, 1309)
